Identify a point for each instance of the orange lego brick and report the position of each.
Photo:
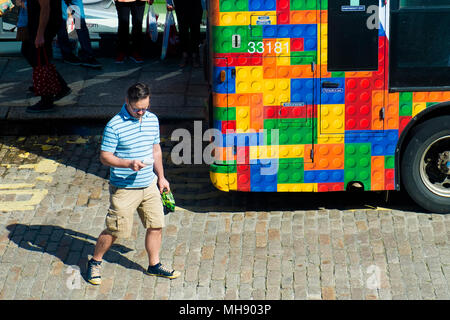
(326, 157)
(377, 173)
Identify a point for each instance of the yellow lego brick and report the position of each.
(332, 118)
(330, 138)
(234, 18)
(292, 151)
(418, 107)
(220, 180)
(263, 152)
(297, 187)
(249, 79)
(242, 119)
(232, 181)
(322, 40)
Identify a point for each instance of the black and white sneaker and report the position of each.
(160, 271)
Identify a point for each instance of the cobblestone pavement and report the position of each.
(54, 197)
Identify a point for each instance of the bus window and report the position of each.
(351, 45)
(420, 46)
(423, 3)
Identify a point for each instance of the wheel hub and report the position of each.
(444, 162)
(435, 167)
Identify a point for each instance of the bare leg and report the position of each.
(104, 242)
(153, 240)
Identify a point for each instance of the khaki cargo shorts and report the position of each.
(123, 204)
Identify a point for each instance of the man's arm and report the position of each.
(158, 168)
(110, 160)
(43, 21)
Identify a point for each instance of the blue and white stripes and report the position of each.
(128, 138)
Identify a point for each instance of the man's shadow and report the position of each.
(71, 247)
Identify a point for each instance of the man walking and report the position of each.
(130, 146)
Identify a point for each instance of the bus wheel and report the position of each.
(425, 165)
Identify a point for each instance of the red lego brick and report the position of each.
(403, 122)
(238, 59)
(297, 44)
(283, 12)
(358, 103)
(243, 155)
(229, 126)
(330, 186)
(389, 179)
(243, 177)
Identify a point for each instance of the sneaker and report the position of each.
(72, 59)
(160, 271)
(121, 57)
(136, 57)
(40, 107)
(91, 63)
(93, 272)
(64, 92)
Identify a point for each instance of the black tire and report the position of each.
(425, 179)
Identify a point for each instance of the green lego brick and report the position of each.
(405, 108)
(223, 168)
(338, 74)
(224, 113)
(233, 5)
(223, 36)
(429, 104)
(406, 97)
(290, 170)
(389, 162)
(290, 134)
(358, 163)
(303, 4)
(220, 113)
(256, 32)
(303, 57)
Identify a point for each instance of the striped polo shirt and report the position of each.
(128, 138)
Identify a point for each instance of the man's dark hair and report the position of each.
(138, 91)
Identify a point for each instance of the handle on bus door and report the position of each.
(223, 76)
(329, 84)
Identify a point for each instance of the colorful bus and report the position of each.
(323, 95)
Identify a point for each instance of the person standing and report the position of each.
(87, 57)
(189, 16)
(124, 8)
(130, 146)
(44, 21)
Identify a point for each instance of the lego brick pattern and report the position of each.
(287, 123)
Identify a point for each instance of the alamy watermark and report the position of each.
(234, 146)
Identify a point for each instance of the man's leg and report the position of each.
(153, 240)
(104, 242)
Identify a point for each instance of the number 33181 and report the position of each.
(270, 47)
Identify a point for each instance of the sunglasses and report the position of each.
(139, 109)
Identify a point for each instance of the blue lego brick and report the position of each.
(382, 144)
(304, 90)
(322, 176)
(331, 95)
(310, 43)
(262, 5)
(263, 177)
(228, 86)
(217, 125)
(291, 31)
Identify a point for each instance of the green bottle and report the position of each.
(168, 201)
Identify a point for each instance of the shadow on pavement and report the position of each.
(71, 247)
